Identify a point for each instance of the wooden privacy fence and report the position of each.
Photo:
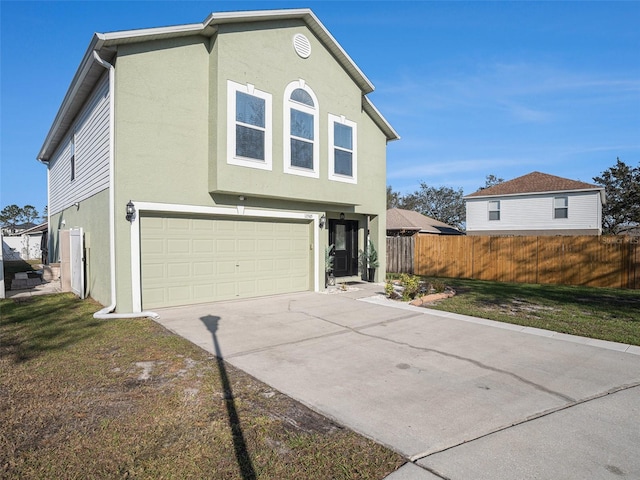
(400, 254)
(567, 260)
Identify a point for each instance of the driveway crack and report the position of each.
(484, 366)
(629, 386)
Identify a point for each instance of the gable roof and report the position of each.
(89, 71)
(536, 182)
(408, 220)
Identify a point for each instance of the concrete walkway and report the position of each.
(45, 288)
(460, 398)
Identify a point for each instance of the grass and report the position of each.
(603, 313)
(81, 399)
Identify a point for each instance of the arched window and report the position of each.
(301, 147)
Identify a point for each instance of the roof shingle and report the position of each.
(534, 182)
(409, 220)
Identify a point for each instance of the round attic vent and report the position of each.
(301, 45)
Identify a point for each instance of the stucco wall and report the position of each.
(171, 131)
(93, 216)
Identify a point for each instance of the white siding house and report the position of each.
(536, 204)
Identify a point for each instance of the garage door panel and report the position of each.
(226, 267)
(204, 268)
(246, 245)
(204, 291)
(179, 293)
(246, 267)
(225, 246)
(203, 259)
(179, 271)
(204, 247)
(178, 224)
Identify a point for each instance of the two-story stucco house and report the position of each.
(536, 204)
(216, 161)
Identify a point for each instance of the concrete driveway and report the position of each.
(460, 398)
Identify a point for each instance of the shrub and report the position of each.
(411, 284)
(438, 286)
(388, 288)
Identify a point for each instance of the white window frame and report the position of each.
(341, 119)
(232, 158)
(490, 203)
(565, 207)
(288, 106)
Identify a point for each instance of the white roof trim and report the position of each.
(377, 117)
(549, 192)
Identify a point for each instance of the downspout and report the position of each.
(108, 312)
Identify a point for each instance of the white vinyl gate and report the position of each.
(76, 241)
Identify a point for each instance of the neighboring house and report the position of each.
(536, 204)
(404, 223)
(215, 161)
(27, 245)
(17, 229)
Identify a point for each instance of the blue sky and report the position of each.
(473, 88)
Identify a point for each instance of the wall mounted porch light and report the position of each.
(323, 221)
(342, 216)
(131, 211)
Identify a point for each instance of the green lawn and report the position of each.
(81, 398)
(604, 313)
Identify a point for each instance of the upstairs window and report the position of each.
(561, 207)
(343, 162)
(494, 210)
(72, 153)
(249, 126)
(301, 130)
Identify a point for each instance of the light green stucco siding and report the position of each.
(266, 58)
(171, 132)
(92, 215)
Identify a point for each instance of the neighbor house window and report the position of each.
(494, 210)
(249, 126)
(301, 130)
(343, 157)
(72, 153)
(561, 207)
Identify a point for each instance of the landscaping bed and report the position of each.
(602, 313)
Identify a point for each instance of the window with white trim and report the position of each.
(72, 154)
(494, 210)
(301, 130)
(561, 207)
(343, 154)
(249, 129)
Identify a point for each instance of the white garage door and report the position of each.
(204, 259)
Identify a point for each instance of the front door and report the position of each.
(343, 235)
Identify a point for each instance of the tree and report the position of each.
(11, 215)
(393, 198)
(29, 213)
(622, 188)
(442, 203)
(491, 181)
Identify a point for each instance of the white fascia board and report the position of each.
(527, 194)
(70, 98)
(379, 119)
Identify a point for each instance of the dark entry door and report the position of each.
(343, 235)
